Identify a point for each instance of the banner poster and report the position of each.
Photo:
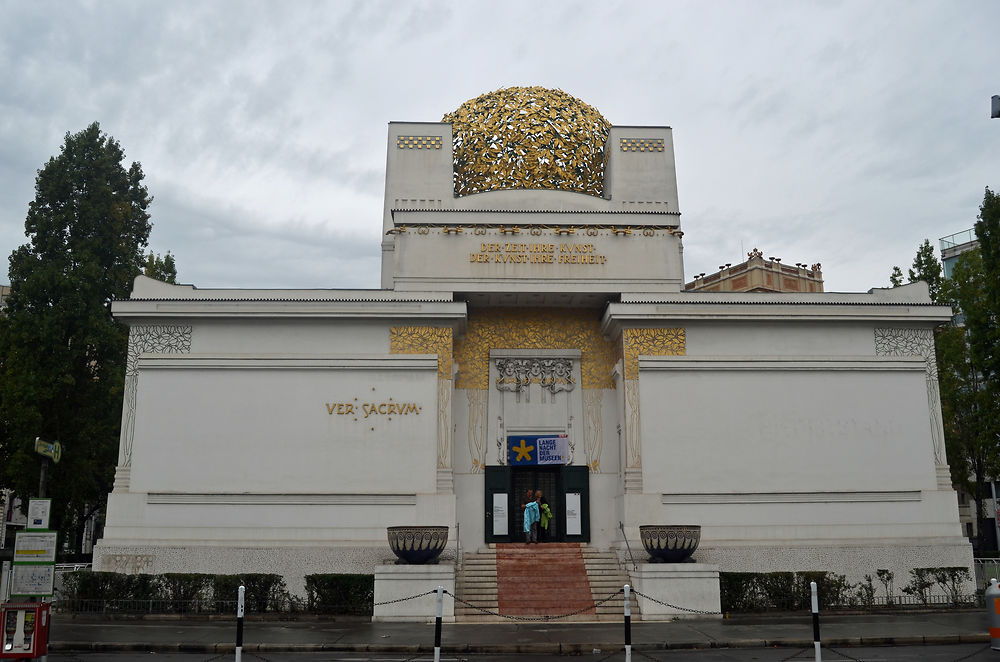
(537, 449)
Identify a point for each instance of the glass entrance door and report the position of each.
(549, 481)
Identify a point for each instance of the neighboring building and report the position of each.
(531, 295)
(4, 293)
(954, 245)
(759, 275)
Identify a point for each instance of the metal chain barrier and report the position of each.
(667, 604)
(411, 597)
(533, 618)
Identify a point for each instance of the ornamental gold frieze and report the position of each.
(650, 342)
(424, 340)
(534, 328)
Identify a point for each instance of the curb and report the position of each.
(547, 648)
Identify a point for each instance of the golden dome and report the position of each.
(528, 137)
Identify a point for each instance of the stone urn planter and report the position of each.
(417, 545)
(670, 543)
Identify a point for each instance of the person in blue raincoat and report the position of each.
(532, 516)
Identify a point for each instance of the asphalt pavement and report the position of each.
(81, 634)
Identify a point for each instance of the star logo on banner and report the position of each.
(523, 451)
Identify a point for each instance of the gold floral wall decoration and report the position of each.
(528, 137)
(424, 340)
(650, 342)
(534, 328)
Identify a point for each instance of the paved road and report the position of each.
(956, 653)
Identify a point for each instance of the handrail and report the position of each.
(628, 547)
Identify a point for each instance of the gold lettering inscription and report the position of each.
(389, 408)
(536, 253)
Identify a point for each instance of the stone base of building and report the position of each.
(854, 561)
(399, 582)
(292, 562)
(677, 590)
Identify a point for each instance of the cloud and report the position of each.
(835, 132)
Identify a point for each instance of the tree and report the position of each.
(160, 268)
(63, 355)
(984, 321)
(927, 267)
(896, 277)
(966, 406)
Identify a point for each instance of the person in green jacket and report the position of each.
(544, 514)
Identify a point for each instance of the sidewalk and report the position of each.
(794, 631)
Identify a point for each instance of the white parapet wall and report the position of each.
(691, 588)
(397, 582)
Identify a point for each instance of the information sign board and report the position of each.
(574, 514)
(35, 547)
(38, 513)
(501, 527)
(32, 580)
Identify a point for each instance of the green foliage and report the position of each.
(340, 594)
(87, 585)
(886, 578)
(921, 581)
(927, 267)
(183, 586)
(160, 268)
(264, 591)
(983, 322)
(770, 591)
(952, 580)
(896, 277)
(62, 356)
(865, 592)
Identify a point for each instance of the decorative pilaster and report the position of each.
(143, 339)
(433, 340)
(920, 342)
(477, 428)
(636, 343)
(593, 429)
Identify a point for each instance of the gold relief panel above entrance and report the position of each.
(534, 328)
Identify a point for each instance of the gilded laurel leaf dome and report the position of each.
(528, 137)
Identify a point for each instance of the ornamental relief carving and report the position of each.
(424, 340)
(650, 342)
(516, 374)
(534, 328)
(146, 339)
(918, 342)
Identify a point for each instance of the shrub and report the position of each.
(185, 587)
(340, 594)
(921, 580)
(264, 591)
(951, 581)
(87, 585)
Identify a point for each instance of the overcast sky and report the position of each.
(836, 132)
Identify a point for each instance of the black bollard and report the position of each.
(239, 622)
(437, 625)
(628, 625)
(815, 608)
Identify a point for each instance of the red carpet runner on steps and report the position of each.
(543, 579)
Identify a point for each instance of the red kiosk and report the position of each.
(25, 630)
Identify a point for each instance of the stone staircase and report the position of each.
(546, 579)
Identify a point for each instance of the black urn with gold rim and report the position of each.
(417, 545)
(670, 543)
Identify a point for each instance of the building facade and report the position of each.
(531, 332)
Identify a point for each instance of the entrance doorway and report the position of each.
(548, 480)
(566, 488)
